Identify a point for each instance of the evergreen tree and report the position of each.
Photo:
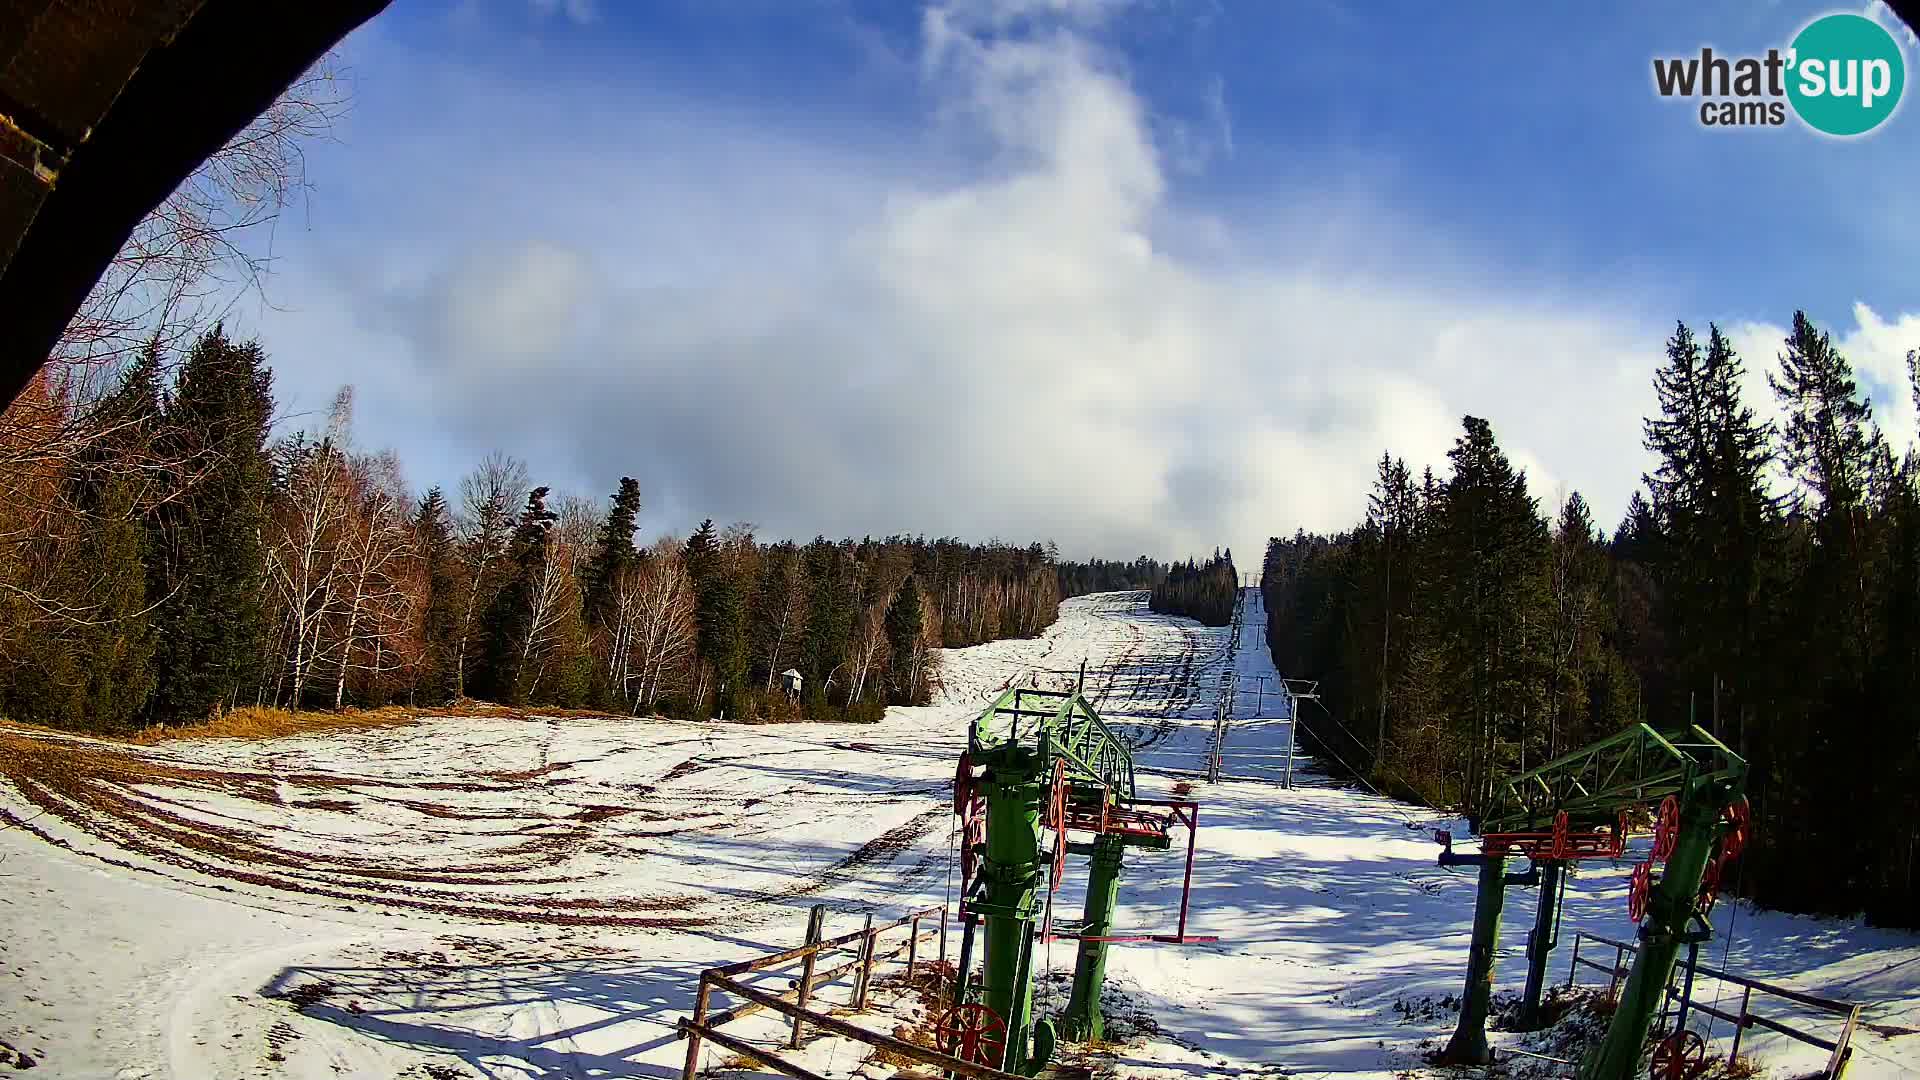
(613, 555)
(441, 573)
(93, 668)
(718, 612)
(509, 622)
(207, 558)
(1713, 516)
(1833, 452)
(1489, 530)
(904, 621)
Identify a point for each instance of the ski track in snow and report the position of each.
(519, 898)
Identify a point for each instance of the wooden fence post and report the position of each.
(1843, 1046)
(866, 966)
(693, 1037)
(816, 920)
(913, 945)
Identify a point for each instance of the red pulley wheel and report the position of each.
(1680, 1056)
(963, 783)
(1709, 887)
(1666, 829)
(1740, 820)
(1639, 887)
(972, 1032)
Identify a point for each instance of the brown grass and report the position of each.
(267, 722)
(257, 722)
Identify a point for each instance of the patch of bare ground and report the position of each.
(130, 799)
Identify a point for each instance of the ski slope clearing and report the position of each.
(534, 897)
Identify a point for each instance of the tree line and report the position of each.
(185, 561)
(1102, 575)
(1204, 591)
(1764, 583)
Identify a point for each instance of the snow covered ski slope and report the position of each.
(534, 897)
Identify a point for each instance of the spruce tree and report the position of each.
(1713, 516)
(904, 621)
(1828, 444)
(441, 569)
(1491, 533)
(207, 559)
(613, 555)
(93, 670)
(718, 612)
(509, 619)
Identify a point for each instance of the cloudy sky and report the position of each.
(1147, 276)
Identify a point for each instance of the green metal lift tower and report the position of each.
(1043, 760)
(1575, 807)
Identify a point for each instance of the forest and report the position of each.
(187, 561)
(1204, 591)
(1764, 583)
(1102, 575)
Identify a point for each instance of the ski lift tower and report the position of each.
(1576, 807)
(1044, 759)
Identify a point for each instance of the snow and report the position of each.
(535, 897)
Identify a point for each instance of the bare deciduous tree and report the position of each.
(490, 496)
(663, 632)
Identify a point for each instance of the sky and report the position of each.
(1134, 276)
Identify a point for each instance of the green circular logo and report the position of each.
(1845, 74)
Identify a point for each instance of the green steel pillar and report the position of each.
(1469, 1043)
(1014, 792)
(1669, 910)
(1540, 943)
(1083, 1020)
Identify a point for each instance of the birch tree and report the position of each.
(484, 530)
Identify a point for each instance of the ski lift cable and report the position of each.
(1357, 774)
(1315, 698)
(1726, 951)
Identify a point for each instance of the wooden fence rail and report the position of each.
(1839, 1050)
(703, 1025)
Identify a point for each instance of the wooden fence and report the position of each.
(1839, 1049)
(866, 945)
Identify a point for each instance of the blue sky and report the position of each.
(1149, 275)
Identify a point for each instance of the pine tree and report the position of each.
(441, 571)
(207, 559)
(1490, 531)
(613, 555)
(509, 623)
(1383, 543)
(718, 612)
(1712, 514)
(904, 621)
(92, 670)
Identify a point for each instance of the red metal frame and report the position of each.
(1562, 844)
(1132, 822)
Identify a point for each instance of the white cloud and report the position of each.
(1015, 329)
